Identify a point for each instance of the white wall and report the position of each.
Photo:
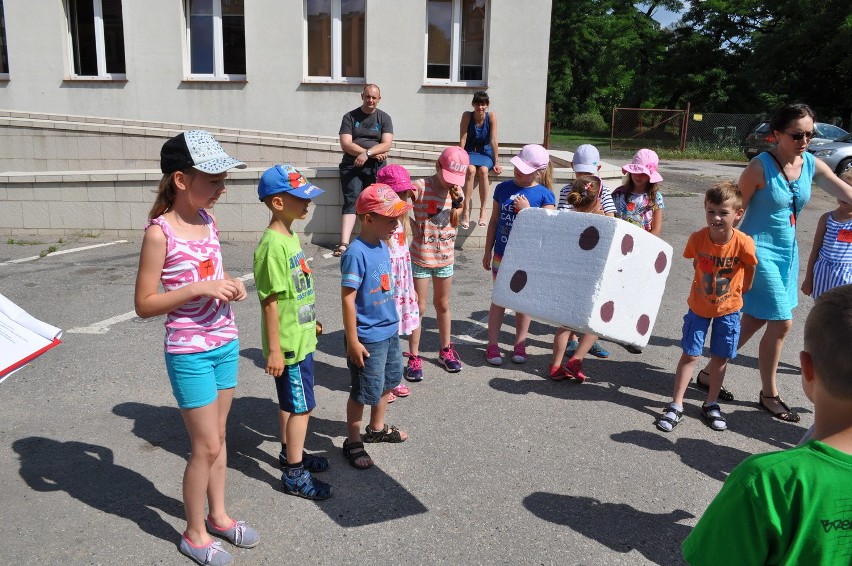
(274, 97)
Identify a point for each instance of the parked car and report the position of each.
(836, 154)
(761, 138)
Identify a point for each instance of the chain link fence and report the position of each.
(634, 128)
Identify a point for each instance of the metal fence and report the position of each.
(633, 128)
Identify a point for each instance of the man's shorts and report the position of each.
(354, 179)
(381, 371)
(295, 387)
(723, 340)
(419, 272)
(197, 378)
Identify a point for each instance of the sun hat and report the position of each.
(586, 159)
(381, 199)
(531, 158)
(454, 161)
(396, 177)
(286, 179)
(645, 161)
(198, 149)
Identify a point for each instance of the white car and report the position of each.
(836, 154)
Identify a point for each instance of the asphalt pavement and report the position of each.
(503, 465)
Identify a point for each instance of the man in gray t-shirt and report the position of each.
(366, 134)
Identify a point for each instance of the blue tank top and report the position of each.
(478, 137)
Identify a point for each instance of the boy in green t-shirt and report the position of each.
(285, 287)
(794, 506)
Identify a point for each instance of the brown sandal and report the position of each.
(786, 415)
(387, 434)
(339, 249)
(354, 451)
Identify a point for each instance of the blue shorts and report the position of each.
(723, 340)
(382, 371)
(419, 272)
(295, 387)
(197, 378)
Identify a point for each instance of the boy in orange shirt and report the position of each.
(724, 260)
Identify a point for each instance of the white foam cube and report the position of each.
(589, 272)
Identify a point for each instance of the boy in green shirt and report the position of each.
(794, 506)
(285, 287)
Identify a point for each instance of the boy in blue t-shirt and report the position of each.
(285, 288)
(370, 322)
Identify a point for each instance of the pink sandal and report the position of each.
(401, 390)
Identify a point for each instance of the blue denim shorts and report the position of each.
(382, 371)
(197, 378)
(419, 272)
(723, 340)
(295, 387)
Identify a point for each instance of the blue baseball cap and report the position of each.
(286, 179)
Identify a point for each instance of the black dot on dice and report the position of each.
(626, 244)
(518, 281)
(662, 261)
(589, 238)
(643, 324)
(607, 311)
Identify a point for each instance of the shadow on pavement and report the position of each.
(618, 526)
(87, 473)
(360, 497)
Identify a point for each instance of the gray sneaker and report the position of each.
(211, 555)
(239, 534)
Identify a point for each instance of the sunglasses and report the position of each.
(798, 136)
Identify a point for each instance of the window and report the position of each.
(96, 34)
(4, 57)
(455, 42)
(335, 37)
(216, 36)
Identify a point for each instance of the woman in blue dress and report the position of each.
(478, 137)
(775, 187)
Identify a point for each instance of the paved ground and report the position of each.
(503, 466)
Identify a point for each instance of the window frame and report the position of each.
(336, 47)
(218, 74)
(455, 49)
(100, 44)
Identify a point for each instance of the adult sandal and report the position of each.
(712, 413)
(671, 416)
(354, 451)
(786, 415)
(339, 249)
(387, 434)
(724, 394)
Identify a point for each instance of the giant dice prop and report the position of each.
(588, 272)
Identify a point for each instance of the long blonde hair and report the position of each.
(166, 193)
(545, 176)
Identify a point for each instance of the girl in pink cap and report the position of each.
(638, 201)
(397, 178)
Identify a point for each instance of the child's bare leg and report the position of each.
(441, 298)
(377, 415)
(354, 415)
(283, 416)
(484, 185)
(522, 327)
(560, 342)
(216, 485)
(297, 430)
(585, 344)
(495, 322)
(421, 287)
(683, 375)
(716, 368)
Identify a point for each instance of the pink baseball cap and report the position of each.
(645, 161)
(396, 177)
(454, 162)
(381, 199)
(531, 158)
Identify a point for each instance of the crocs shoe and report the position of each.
(305, 485)
(597, 351)
(574, 368)
(401, 390)
(493, 356)
(572, 347)
(519, 354)
(239, 534)
(209, 555)
(311, 463)
(450, 359)
(413, 370)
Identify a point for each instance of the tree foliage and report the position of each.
(721, 56)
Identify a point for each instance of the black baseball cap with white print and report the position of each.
(198, 149)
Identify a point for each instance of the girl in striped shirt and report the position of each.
(830, 263)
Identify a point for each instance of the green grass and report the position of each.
(567, 140)
(14, 242)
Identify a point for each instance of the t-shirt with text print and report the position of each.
(433, 239)
(367, 269)
(504, 198)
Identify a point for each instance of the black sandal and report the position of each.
(786, 415)
(339, 249)
(387, 434)
(678, 416)
(724, 394)
(712, 414)
(354, 451)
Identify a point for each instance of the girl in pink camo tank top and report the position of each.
(181, 250)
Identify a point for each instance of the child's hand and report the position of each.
(808, 286)
(241, 290)
(521, 202)
(486, 261)
(221, 289)
(275, 364)
(357, 353)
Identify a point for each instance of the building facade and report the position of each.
(279, 65)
